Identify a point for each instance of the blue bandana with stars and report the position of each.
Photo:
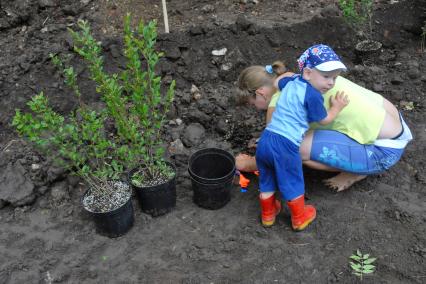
(319, 54)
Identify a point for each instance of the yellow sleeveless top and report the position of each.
(361, 119)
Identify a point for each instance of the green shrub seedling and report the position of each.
(133, 98)
(358, 14)
(134, 107)
(362, 264)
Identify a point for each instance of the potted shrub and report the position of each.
(79, 143)
(99, 145)
(359, 14)
(152, 178)
(135, 101)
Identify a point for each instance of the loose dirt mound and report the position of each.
(46, 237)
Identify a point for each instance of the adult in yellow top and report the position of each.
(367, 137)
(365, 128)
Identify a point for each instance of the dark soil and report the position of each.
(45, 235)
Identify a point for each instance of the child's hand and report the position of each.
(339, 101)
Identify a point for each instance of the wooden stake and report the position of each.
(166, 19)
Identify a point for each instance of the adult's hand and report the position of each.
(286, 74)
(245, 163)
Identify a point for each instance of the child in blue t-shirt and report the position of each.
(277, 155)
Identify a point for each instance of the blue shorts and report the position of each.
(280, 165)
(337, 150)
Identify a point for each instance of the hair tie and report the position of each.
(269, 69)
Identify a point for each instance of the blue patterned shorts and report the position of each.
(337, 150)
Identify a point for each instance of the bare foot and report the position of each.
(245, 163)
(343, 181)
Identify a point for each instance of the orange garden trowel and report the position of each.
(243, 179)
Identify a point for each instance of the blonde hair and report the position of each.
(254, 77)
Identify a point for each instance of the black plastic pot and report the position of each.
(114, 223)
(368, 51)
(159, 199)
(212, 171)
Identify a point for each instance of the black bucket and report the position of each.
(159, 199)
(212, 171)
(114, 223)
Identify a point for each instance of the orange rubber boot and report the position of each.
(301, 215)
(270, 208)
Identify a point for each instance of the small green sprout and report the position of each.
(358, 14)
(362, 264)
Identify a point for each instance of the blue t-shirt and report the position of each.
(298, 105)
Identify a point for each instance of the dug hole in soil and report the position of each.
(45, 237)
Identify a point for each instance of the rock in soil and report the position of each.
(16, 187)
(194, 134)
